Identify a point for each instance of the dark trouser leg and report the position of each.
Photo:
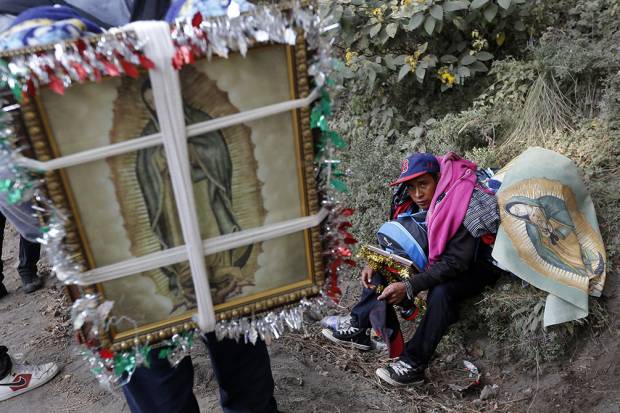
(5, 362)
(360, 313)
(29, 254)
(243, 372)
(442, 310)
(162, 388)
(2, 224)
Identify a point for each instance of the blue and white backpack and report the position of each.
(406, 236)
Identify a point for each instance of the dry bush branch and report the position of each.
(546, 111)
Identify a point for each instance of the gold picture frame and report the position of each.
(36, 129)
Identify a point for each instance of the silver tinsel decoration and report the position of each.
(269, 326)
(62, 64)
(79, 61)
(199, 36)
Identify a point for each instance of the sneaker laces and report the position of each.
(344, 322)
(347, 329)
(400, 367)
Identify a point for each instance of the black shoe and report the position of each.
(3, 291)
(349, 336)
(401, 373)
(31, 283)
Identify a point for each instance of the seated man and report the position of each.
(458, 213)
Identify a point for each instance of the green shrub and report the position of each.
(557, 88)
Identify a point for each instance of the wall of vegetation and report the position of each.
(486, 79)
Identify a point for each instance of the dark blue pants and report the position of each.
(5, 362)
(370, 312)
(29, 254)
(243, 372)
(441, 309)
(442, 306)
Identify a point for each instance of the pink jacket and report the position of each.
(457, 181)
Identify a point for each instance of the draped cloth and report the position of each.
(46, 24)
(549, 234)
(450, 202)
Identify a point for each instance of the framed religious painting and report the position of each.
(252, 183)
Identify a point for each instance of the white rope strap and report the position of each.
(211, 246)
(169, 106)
(156, 138)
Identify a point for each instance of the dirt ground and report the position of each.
(313, 376)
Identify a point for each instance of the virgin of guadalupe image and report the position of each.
(552, 232)
(211, 171)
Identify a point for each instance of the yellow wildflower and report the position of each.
(349, 56)
(406, 3)
(378, 13)
(479, 44)
(412, 61)
(446, 77)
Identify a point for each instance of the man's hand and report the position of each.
(394, 293)
(367, 277)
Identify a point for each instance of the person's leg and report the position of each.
(396, 340)
(440, 313)
(356, 334)
(360, 313)
(243, 372)
(29, 254)
(3, 290)
(5, 362)
(161, 387)
(442, 310)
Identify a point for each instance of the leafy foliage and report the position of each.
(431, 41)
(550, 79)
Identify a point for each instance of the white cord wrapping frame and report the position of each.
(169, 106)
(157, 138)
(210, 246)
(174, 135)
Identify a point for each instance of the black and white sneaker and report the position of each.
(401, 373)
(23, 378)
(336, 322)
(349, 336)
